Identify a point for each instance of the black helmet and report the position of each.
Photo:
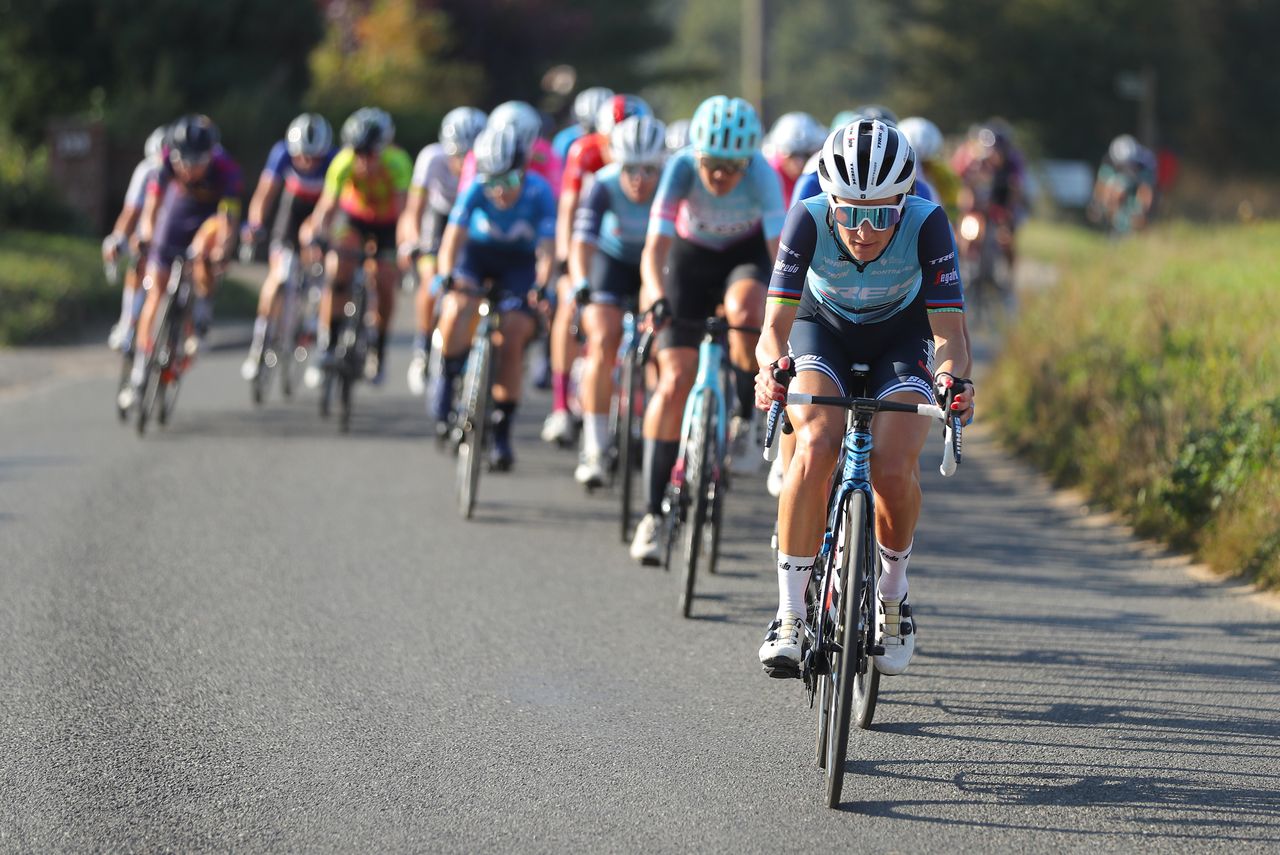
(365, 131)
(193, 137)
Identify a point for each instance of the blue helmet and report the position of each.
(725, 127)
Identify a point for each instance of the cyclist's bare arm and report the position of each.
(656, 249)
(568, 206)
(546, 259)
(778, 318)
(951, 348)
(451, 244)
(150, 210)
(322, 216)
(409, 226)
(263, 197)
(580, 258)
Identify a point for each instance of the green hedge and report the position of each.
(1145, 376)
(52, 285)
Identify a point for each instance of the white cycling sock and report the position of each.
(139, 370)
(595, 430)
(793, 577)
(893, 572)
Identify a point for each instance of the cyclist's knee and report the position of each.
(817, 446)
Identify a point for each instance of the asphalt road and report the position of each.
(248, 633)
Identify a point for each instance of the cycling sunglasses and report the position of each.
(508, 180)
(720, 164)
(640, 171)
(879, 217)
(191, 161)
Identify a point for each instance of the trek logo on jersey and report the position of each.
(949, 277)
(944, 259)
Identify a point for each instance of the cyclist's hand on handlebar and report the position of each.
(771, 382)
(956, 394)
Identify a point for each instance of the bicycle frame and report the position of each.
(710, 355)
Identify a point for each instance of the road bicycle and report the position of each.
(470, 436)
(837, 666)
(291, 327)
(626, 414)
(349, 339)
(173, 345)
(693, 505)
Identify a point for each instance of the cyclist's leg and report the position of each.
(614, 285)
(564, 347)
(458, 314)
(339, 268)
(744, 307)
(511, 297)
(210, 236)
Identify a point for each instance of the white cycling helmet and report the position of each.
(520, 115)
(796, 134)
(309, 135)
(459, 129)
(498, 150)
(923, 135)
(617, 109)
(725, 127)
(677, 135)
(1123, 149)
(867, 159)
(639, 141)
(587, 106)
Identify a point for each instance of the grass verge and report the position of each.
(52, 286)
(1144, 378)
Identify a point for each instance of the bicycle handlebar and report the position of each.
(952, 428)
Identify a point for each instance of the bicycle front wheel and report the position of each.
(697, 473)
(850, 635)
(474, 421)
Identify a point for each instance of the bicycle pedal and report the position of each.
(782, 672)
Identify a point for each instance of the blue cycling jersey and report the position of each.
(684, 206)
(531, 219)
(610, 220)
(304, 185)
(920, 255)
(563, 140)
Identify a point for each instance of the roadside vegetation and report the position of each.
(1145, 376)
(52, 288)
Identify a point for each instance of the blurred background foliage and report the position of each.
(1049, 66)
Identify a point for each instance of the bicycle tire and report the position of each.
(866, 682)
(474, 419)
(714, 525)
(697, 477)
(345, 382)
(626, 444)
(126, 372)
(844, 664)
(151, 373)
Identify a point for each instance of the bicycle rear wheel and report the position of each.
(474, 421)
(631, 402)
(698, 482)
(850, 636)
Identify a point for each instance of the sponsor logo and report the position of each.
(780, 266)
(948, 277)
(944, 259)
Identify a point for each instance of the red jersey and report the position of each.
(586, 155)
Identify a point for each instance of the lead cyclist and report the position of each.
(865, 273)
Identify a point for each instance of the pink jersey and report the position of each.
(543, 161)
(788, 184)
